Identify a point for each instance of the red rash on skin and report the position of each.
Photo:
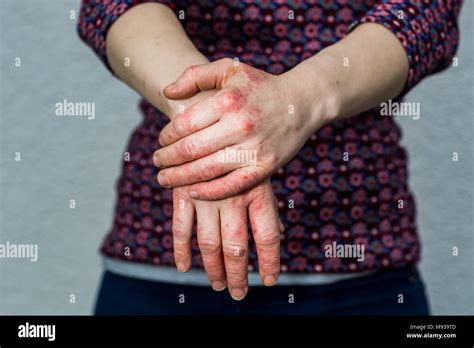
(231, 102)
(254, 75)
(257, 204)
(252, 223)
(255, 112)
(247, 126)
(256, 78)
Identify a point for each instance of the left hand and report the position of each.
(223, 235)
(252, 126)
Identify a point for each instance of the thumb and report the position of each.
(200, 78)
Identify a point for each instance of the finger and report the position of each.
(265, 230)
(281, 227)
(210, 245)
(199, 78)
(183, 218)
(203, 169)
(197, 145)
(235, 248)
(194, 118)
(229, 185)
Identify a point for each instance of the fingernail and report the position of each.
(269, 280)
(194, 194)
(156, 162)
(163, 180)
(181, 267)
(161, 141)
(237, 294)
(218, 285)
(172, 86)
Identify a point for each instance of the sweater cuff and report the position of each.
(97, 16)
(428, 34)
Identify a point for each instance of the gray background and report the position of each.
(70, 158)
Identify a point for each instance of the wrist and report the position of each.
(316, 87)
(155, 81)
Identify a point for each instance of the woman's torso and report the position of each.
(346, 186)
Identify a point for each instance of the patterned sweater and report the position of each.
(348, 185)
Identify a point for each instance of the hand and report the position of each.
(252, 126)
(223, 237)
(222, 229)
(215, 233)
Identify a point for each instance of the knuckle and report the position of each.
(233, 188)
(270, 264)
(205, 171)
(190, 70)
(236, 251)
(206, 189)
(209, 245)
(188, 149)
(227, 61)
(227, 187)
(267, 238)
(179, 125)
(237, 279)
(180, 236)
(229, 99)
(245, 124)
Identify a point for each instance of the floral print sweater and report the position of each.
(348, 185)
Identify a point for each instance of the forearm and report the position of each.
(359, 72)
(148, 49)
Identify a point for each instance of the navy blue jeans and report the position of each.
(398, 292)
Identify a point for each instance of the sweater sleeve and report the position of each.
(427, 29)
(97, 16)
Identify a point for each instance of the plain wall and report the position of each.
(71, 158)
